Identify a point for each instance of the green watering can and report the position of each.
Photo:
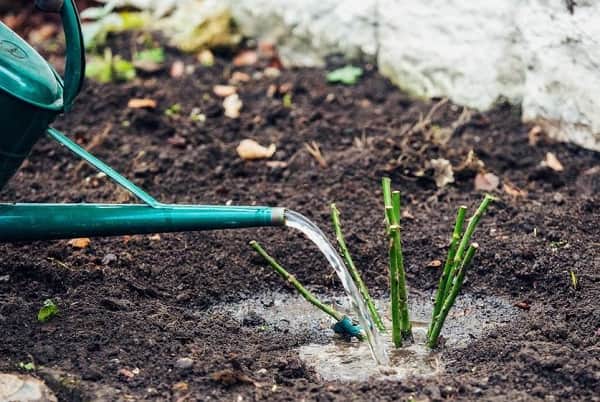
(32, 95)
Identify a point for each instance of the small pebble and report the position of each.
(558, 198)
(184, 363)
(108, 259)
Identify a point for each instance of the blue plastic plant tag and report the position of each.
(345, 327)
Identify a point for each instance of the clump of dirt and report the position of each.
(135, 312)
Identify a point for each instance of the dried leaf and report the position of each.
(406, 214)
(126, 373)
(534, 135)
(245, 58)
(486, 182)
(442, 172)
(513, 190)
(177, 141)
(177, 69)
(315, 151)
(471, 163)
(232, 105)
(81, 243)
(277, 164)
(154, 237)
(250, 150)
(552, 162)
(224, 90)
(238, 77)
(522, 305)
(141, 103)
(181, 386)
(232, 377)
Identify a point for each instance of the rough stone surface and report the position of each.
(534, 51)
(15, 387)
(540, 53)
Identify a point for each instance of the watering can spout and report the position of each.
(28, 222)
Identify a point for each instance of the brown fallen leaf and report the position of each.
(552, 162)
(233, 377)
(277, 164)
(238, 77)
(522, 305)
(249, 150)
(315, 151)
(232, 105)
(471, 163)
(486, 182)
(406, 214)
(141, 103)
(442, 171)
(513, 190)
(271, 90)
(128, 374)
(245, 58)
(177, 69)
(177, 141)
(155, 237)
(434, 264)
(43, 33)
(82, 242)
(224, 90)
(535, 134)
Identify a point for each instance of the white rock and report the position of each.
(24, 388)
(533, 52)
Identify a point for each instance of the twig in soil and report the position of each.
(457, 263)
(401, 326)
(315, 151)
(335, 218)
(343, 323)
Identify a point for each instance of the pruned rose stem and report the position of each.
(466, 239)
(401, 326)
(455, 286)
(405, 325)
(294, 282)
(339, 235)
(441, 291)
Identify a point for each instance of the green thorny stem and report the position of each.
(442, 286)
(455, 285)
(336, 315)
(401, 326)
(337, 227)
(456, 264)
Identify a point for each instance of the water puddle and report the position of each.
(335, 359)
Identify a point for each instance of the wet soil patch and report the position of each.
(134, 310)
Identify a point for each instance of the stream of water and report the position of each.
(310, 230)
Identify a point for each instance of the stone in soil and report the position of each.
(15, 387)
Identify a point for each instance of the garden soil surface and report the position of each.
(132, 307)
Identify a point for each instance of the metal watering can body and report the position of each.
(32, 95)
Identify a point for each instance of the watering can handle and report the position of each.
(75, 65)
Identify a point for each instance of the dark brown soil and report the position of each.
(140, 302)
